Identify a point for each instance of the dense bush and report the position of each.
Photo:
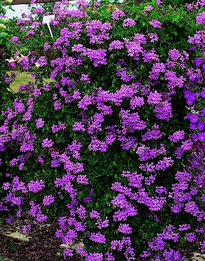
(110, 145)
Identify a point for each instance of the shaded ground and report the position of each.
(43, 245)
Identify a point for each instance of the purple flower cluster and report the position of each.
(133, 111)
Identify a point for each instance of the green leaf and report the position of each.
(3, 35)
(105, 14)
(8, 45)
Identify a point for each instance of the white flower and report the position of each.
(2, 26)
(37, 65)
(10, 60)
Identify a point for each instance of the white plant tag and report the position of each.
(46, 20)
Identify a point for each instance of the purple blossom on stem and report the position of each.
(35, 186)
(128, 22)
(125, 229)
(47, 143)
(39, 123)
(117, 13)
(98, 237)
(155, 23)
(47, 200)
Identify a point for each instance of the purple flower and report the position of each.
(194, 118)
(40, 217)
(117, 13)
(11, 64)
(25, 228)
(202, 246)
(57, 105)
(38, 10)
(192, 126)
(201, 136)
(200, 18)
(116, 45)
(128, 22)
(101, 224)
(55, 163)
(6, 186)
(82, 179)
(203, 198)
(94, 257)
(41, 61)
(203, 93)
(110, 257)
(81, 211)
(154, 98)
(174, 54)
(98, 237)
(40, 159)
(184, 227)
(94, 214)
(85, 78)
(39, 123)
(47, 200)
(47, 143)
(125, 229)
(155, 23)
(30, 32)
(187, 144)
(198, 61)
(67, 252)
(46, 46)
(178, 152)
(163, 111)
(35, 186)
(190, 237)
(153, 37)
(14, 39)
(9, 219)
(200, 125)
(176, 136)
(194, 136)
(149, 8)
(202, 114)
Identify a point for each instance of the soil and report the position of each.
(42, 244)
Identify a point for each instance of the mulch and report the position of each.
(43, 245)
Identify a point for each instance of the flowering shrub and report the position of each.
(110, 146)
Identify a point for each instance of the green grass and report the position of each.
(22, 78)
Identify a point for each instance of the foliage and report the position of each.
(5, 97)
(108, 146)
